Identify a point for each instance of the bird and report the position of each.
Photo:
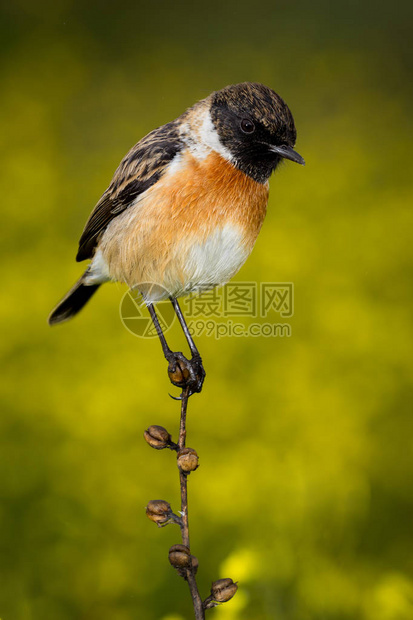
(186, 204)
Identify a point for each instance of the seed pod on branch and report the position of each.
(160, 512)
(180, 556)
(178, 373)
(187, 460)
(221, 591)
(158, 437)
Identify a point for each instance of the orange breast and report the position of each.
(211, 192)
(186, 206)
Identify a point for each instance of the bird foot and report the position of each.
(186, 373)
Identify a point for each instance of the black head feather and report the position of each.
(251, 119)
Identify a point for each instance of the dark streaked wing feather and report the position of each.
(138, 170)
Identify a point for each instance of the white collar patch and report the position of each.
(207, 138)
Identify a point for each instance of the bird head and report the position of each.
(255, 127)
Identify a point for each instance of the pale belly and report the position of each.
(190, 264)
(210, 262)
(191, 231)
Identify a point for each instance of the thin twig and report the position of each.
(183, 479)
(189, 375)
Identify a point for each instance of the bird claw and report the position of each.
(175, 397)
(185, 373)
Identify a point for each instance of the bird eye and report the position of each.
(247, 126)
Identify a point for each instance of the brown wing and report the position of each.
(138, 170)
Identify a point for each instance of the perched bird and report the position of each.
(186, 204)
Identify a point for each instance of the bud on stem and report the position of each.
(221, 591)
(187, 460)
(180, 556)
(178, 373)
(160, 512)
(158, 437)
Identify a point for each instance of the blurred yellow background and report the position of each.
(304, 493)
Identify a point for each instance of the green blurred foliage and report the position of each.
(304, 493)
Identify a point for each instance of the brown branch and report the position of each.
(160, 511)
(183, 479)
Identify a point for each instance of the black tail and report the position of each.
(73, 301)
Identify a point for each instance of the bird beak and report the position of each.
(287, 152)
